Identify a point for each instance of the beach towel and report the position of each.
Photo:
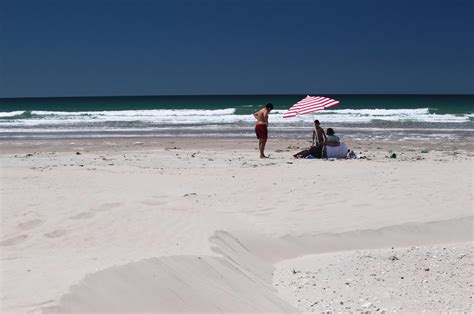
(337, 151)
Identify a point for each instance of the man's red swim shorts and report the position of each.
(261, 131)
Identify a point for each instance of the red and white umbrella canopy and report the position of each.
(310, 104)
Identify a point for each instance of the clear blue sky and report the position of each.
(139, 47)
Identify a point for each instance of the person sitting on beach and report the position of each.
(331, 139)
(319, 136)
(333, 147)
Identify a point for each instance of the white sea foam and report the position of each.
(158, 117)
(11, 114)
(369, 115)
(140, 113)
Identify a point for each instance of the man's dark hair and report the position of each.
(330, 131)
(316, 121)
(269, 106)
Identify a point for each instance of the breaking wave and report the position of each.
(220, 116)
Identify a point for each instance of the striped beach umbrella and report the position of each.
(310, 104)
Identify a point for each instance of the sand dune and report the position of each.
(173, 284)
(240, 281)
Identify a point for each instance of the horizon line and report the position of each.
(262, 94)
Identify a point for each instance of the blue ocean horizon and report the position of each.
(359, 116)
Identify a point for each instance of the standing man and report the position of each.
(261, 127)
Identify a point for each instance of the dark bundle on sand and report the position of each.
(315, 151)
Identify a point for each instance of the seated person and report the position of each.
(319, 136)
(331, 139)
(333, 148)
(316, 149)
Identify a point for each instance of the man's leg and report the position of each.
(261, 146)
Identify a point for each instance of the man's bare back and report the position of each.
(261, 116)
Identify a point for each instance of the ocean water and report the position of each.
(381, 117)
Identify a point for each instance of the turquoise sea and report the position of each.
(384, 117)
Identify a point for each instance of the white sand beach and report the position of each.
(204, 225)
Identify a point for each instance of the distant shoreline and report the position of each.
(275, 144)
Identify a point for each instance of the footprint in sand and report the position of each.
(83, 215)
(56, 233)
(14, 240)
(107, 206)
(30, 224)
(152, 203)
(361, 205)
